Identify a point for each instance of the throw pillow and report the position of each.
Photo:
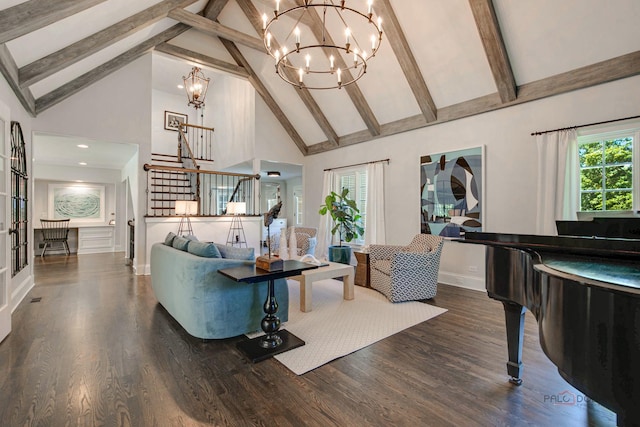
(235, 253)
(191, 237)
(203, 249)
(169, 239)
(180, 243)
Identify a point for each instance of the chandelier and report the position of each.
(196, 86)
(317, 61)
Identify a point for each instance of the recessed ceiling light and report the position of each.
(82, 146)
(79, 180)
(82, 163)
(180, 87)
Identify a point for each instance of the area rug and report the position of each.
(335, 327)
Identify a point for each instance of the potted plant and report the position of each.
(346, 222)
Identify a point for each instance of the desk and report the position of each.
(275, 341)
(82, 240)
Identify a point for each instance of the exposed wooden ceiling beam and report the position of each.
(189, 55)
(491, 36)
(9, 70)
(216, 29)
(213, 9)
(602, 72)
(591, 75)
(353, 90)
(32, 15)
(265, 95)
(50, 64)
(395, 35)
(252, 14)
(87, 79)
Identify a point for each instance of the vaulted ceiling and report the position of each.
(440, 60)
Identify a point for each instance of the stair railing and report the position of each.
(166, 184)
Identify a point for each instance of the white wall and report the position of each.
(510, 163)
(117, 108)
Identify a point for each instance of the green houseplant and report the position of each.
(346, 222)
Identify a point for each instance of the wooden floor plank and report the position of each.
(99, 350)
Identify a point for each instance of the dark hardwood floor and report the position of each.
(97, 349)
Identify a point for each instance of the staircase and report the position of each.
(167, 186)
(179, 177)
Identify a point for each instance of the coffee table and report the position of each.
(275, 341)
(331, 271)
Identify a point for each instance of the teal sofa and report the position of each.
(205, 303)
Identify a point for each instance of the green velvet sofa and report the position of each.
(205, 303)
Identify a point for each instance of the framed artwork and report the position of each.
(451, 192)
(174, 120)
(80, 203)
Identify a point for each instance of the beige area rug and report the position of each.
(335, 327)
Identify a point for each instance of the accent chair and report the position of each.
(305, 239)
(407, 273)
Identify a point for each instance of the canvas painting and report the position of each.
(85, 203)
(451, 188)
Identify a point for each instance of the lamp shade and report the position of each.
(236, 208)
(186, 207)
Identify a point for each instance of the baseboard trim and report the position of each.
(462, 281)
(21, 292)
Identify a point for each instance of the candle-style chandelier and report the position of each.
(196, 86)
(313, 59)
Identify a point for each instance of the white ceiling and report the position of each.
(64, 151)
(543, 38)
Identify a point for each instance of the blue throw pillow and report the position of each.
(203, 249)
(169, 239)
(181, 243)
(235, 253)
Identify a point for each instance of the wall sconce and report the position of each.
(186, 208)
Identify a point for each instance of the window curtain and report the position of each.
(558, 179)
(374, 215)
(324, 229)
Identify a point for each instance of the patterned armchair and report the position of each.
(406, 273)
(305, 239)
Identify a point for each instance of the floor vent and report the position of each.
(36, 299)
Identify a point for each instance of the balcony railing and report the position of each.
(211, 189)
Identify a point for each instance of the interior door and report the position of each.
(5, 307)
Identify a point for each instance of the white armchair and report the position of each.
(407, 273)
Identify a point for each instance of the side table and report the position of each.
(362, 269)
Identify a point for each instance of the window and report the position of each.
(355, 180)
(19, 187)
(608, 163)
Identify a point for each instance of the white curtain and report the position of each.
(558, 179)
(375, 234)
(324, 229)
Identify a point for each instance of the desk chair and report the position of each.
(55, 231)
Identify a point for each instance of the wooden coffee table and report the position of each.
(331, 271)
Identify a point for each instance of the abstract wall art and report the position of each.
(76, 202)
(451, 189)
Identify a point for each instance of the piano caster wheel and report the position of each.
(515, 381)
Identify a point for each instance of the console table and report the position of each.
(275, 341)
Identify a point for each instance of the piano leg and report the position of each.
(514, 319)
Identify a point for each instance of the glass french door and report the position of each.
(5, 307)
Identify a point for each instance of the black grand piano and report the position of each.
(584, 291)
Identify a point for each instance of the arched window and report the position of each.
(19, 201)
